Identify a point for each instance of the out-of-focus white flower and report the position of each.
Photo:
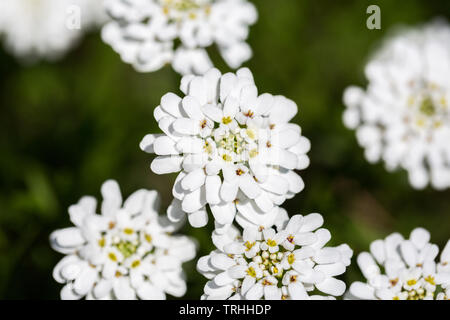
(403, 117)
(145, 32)
(403, 269)
(126, 252)
(285, 262)
(36, 29)
(235, 150)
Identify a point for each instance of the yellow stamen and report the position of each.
(226, 120)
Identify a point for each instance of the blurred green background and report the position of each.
(66, 127)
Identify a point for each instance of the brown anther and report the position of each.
(249, 114)
(394, 282)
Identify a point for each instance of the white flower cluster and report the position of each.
(125, 253)
(36, 29)
(146, 33)
(235, 150)
(287, 263)
(410, 271)
(403, 117)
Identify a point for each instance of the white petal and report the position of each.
(331, 286)
(66, 240)
(247, 283)
(305, 238)
(332, 269)
(419, 237)
(135, 202)
(212, 187)
(146, 143)
(102, 288)
(223, 279)
(276, 184)
(377, 250)
(112, 198)
(367, 265)
(283, 110)
(362, 291)
(148, 292)
(171, 103)
(213, 112)
(228, 191)
(192, 107)
(297, 291)
(445, 255)
(67, 260)
(67, 293)
(165, 146)
(85, 281)
(198, 218)
(249, 94)
(272, 293)
(249, 186)
(193, 180)
(255, 293)
(123, 290)
(222, 261)
(264, 203)
(177, 190)
(409, 253)
(224, 213)
(311, 222)
(327, 255)
(186, 126)
(166, 164)
(231, 107)
(175, 212)
(194, 200)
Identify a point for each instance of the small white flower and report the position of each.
(36, 29)
(260, 264)
(235, 150)
(408, 269)
(144, 32)
(126, 252)
(403, 117)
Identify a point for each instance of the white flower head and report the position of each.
(403, 269)
(290, 262)
(403, 117)
(35, 29)
(151, 33)
(235, 150)
(126, 252)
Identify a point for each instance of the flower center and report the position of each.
(429, 107)
(181, 9)
(233, 143)
(425, 287)
(127, 248)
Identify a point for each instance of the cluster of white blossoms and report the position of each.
(235, 150)
(152, 33)
(126, 252)
(408, 269)
(403, 117)
(36, 29)
(289, 261)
